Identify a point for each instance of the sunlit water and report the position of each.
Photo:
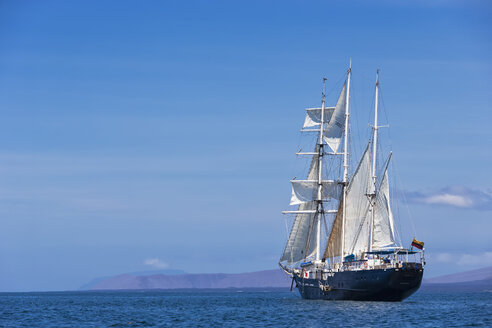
(238, 309)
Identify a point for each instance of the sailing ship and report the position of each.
(357, 256)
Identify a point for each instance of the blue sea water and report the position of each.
(272, 308)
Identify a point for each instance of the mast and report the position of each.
(375, 135)
(374, 150)
(345, 157)
(320, 177)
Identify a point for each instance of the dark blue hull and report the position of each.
(364, 285)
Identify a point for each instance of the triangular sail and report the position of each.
(356, 213)
(334, 246)
(301, 242)
(383, 234)
(336, 125)
(357, 218)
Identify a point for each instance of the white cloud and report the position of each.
(156, 263)
(482, 259)
(475, 259)
(449, 199)
(456, 196)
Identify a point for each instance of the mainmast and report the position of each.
(320, 177)
(374, 150)
(345, 158)
(375, 135)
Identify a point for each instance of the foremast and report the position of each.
(305, 238)
(320, 175)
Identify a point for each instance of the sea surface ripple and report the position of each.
(272, 308)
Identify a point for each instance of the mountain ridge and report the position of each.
(479, 279)
(460, 277)
(257, 279)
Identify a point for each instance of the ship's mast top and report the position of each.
(375, 135)
(347, 116)
(320, 140)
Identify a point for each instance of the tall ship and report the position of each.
(343, 243)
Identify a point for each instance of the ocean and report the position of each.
(234, 308)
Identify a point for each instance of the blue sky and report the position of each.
(141, 135)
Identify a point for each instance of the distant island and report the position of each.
(258, 279)
(475, 280)
(468, 281)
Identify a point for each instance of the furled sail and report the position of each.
(313, 116)
(383, 233)
(357, 216)
(336, 125)
(307, 190)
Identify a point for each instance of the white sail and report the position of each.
(307, 190)
(336, 125)
(357, 218)
(313, 116)
(302, 241)
(383, 233)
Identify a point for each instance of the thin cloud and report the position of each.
(449, 199)
(484, 258)
(156, 263)
(444, 257)
(455, 196)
